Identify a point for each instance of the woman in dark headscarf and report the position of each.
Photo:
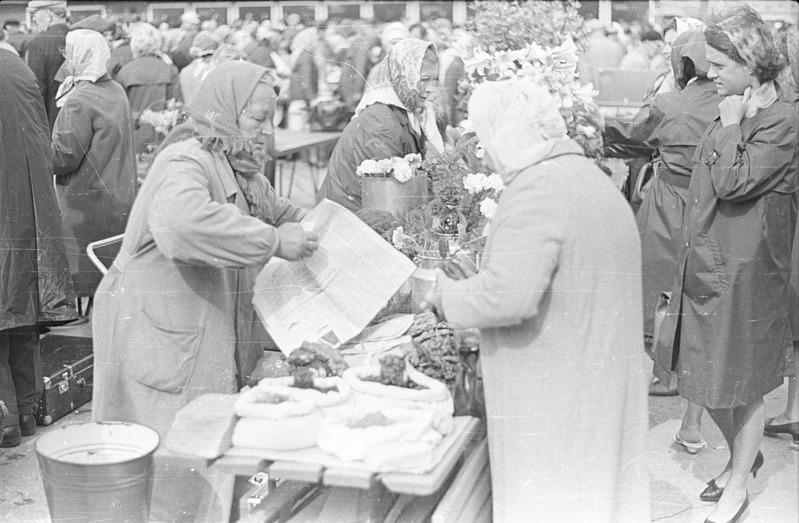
(392, 119)
(173, 317)
(672, 122)
(727, 330)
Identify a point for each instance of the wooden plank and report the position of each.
(241, 465)
(400, 505)
(348, 476)
(463, 484)
(486, 512)
(310, 513)
(474, 502)
(295, 471)
(450, 451)
(278, 505)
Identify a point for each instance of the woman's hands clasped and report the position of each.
(295, 242)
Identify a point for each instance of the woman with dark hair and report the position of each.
(394, 118)
(673, 122)
(727, 330)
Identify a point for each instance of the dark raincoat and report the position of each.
(380, 131)
(95, 167)
(674, 123)
(149, 83)
(35, 287)
(44, 58)
(728, 326)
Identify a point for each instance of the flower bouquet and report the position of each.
(392, 184)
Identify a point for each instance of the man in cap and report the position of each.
(44, 51)
(16, 36)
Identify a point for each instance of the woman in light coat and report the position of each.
(93, 155)
(728, 326)
(558, 304)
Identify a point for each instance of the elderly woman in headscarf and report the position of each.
(393, 118)
(558, 304)
(727, 330)
(174, 317)
(672, 123)
(93, 155)
(675, 28)
(149, 81)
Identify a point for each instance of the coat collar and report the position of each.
(561, 147)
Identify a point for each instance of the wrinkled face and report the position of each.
(730, 77)
(428, 80)
(256, 121)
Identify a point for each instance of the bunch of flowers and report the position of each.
(401, 169)
(166, 119)
(556, 69)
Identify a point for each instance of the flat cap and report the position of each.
(36, 5)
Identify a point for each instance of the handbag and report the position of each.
(329, 115)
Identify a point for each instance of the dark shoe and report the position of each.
(785, 428)
(713, 492)
(737, 515)
(659, 389)
(11, 437)
(27, 424)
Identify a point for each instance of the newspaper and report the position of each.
(334, 294)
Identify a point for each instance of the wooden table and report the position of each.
(319, 487)
(289, 143)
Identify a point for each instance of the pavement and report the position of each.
(676, 477)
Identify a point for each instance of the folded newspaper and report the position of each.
(334, 294)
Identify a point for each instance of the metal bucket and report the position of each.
(98, 471)
(387, 194)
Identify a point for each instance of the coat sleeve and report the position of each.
(526, 244)
(35, 57)
(743, 170)
(282, 209)
(637, 138)
(190, 227)
(72, 137)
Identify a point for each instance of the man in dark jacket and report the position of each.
(44, 52)
(35, 285)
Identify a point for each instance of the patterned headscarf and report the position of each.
(750, 36)
(86, 57)
(517, 121)
(396, 84)
(690, 44)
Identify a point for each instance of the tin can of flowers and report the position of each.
(388, 194)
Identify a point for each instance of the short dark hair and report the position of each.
(651, 36)
(11, 23)
(764, 72)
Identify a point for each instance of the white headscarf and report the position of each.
(517, 121)
(87, 55)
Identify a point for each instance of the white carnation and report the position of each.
(402, 170)
(480, 152)
(367, 168)
(398, 237)
(493, 183)
(473, 183)
(488, 208)
(415, 160)
(385, 166)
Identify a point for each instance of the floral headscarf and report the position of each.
(517, 121)
(750, 36)
(397, 83)
(86, 58)
(690, 44)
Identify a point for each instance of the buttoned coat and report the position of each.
(727, 327)
(173, 319)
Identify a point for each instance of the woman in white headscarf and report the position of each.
(93, 154)
(394, 118)
(558, 304)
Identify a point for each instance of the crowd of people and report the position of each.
(715, 236)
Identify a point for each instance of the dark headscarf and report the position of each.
(690, 44)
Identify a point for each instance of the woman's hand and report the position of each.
(295, 243)
(460, 268)
(733, 108)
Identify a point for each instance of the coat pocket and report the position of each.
(166, 357)
(705, 277)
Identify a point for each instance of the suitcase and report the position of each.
(68, 368)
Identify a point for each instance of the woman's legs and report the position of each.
(741, 427)
(691, 427)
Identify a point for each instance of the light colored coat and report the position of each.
(558, 304)
(174, 314)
